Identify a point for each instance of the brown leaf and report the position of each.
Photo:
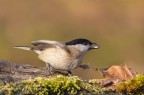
(120, 72)
(115, 74)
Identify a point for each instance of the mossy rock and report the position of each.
(134, 86)
(55, 85)
(64, 85)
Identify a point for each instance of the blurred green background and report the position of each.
(116, 25)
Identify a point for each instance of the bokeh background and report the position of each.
(116, 25)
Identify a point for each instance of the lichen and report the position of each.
(54, 85)
(133, 86)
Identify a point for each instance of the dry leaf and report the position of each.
(120, 72)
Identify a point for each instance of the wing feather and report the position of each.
(42, 44)
(35, 43)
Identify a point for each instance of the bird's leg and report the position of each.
(53, 70)
(49, 68)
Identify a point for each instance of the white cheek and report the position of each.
(82, 48)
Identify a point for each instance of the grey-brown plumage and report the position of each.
(62, 56)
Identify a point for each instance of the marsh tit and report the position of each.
(61, 56)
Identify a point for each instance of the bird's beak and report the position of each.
(94, 46)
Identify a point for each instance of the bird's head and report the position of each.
(83, 44)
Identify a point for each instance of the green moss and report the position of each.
(64, 85)
(135, 85)
(58, 85)
(96, 81)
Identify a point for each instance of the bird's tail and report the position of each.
(23, 47)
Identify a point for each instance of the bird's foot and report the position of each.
(50, 71)
(68, 73)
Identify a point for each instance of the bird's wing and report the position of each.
(38, 42)
(42, 44)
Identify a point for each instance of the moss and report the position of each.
(135, 85)
(64, 85)
(55, 85)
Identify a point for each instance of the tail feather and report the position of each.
(23, 47)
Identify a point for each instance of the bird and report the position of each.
(64, 56)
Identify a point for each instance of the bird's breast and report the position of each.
(60, 59)
(55, 57)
